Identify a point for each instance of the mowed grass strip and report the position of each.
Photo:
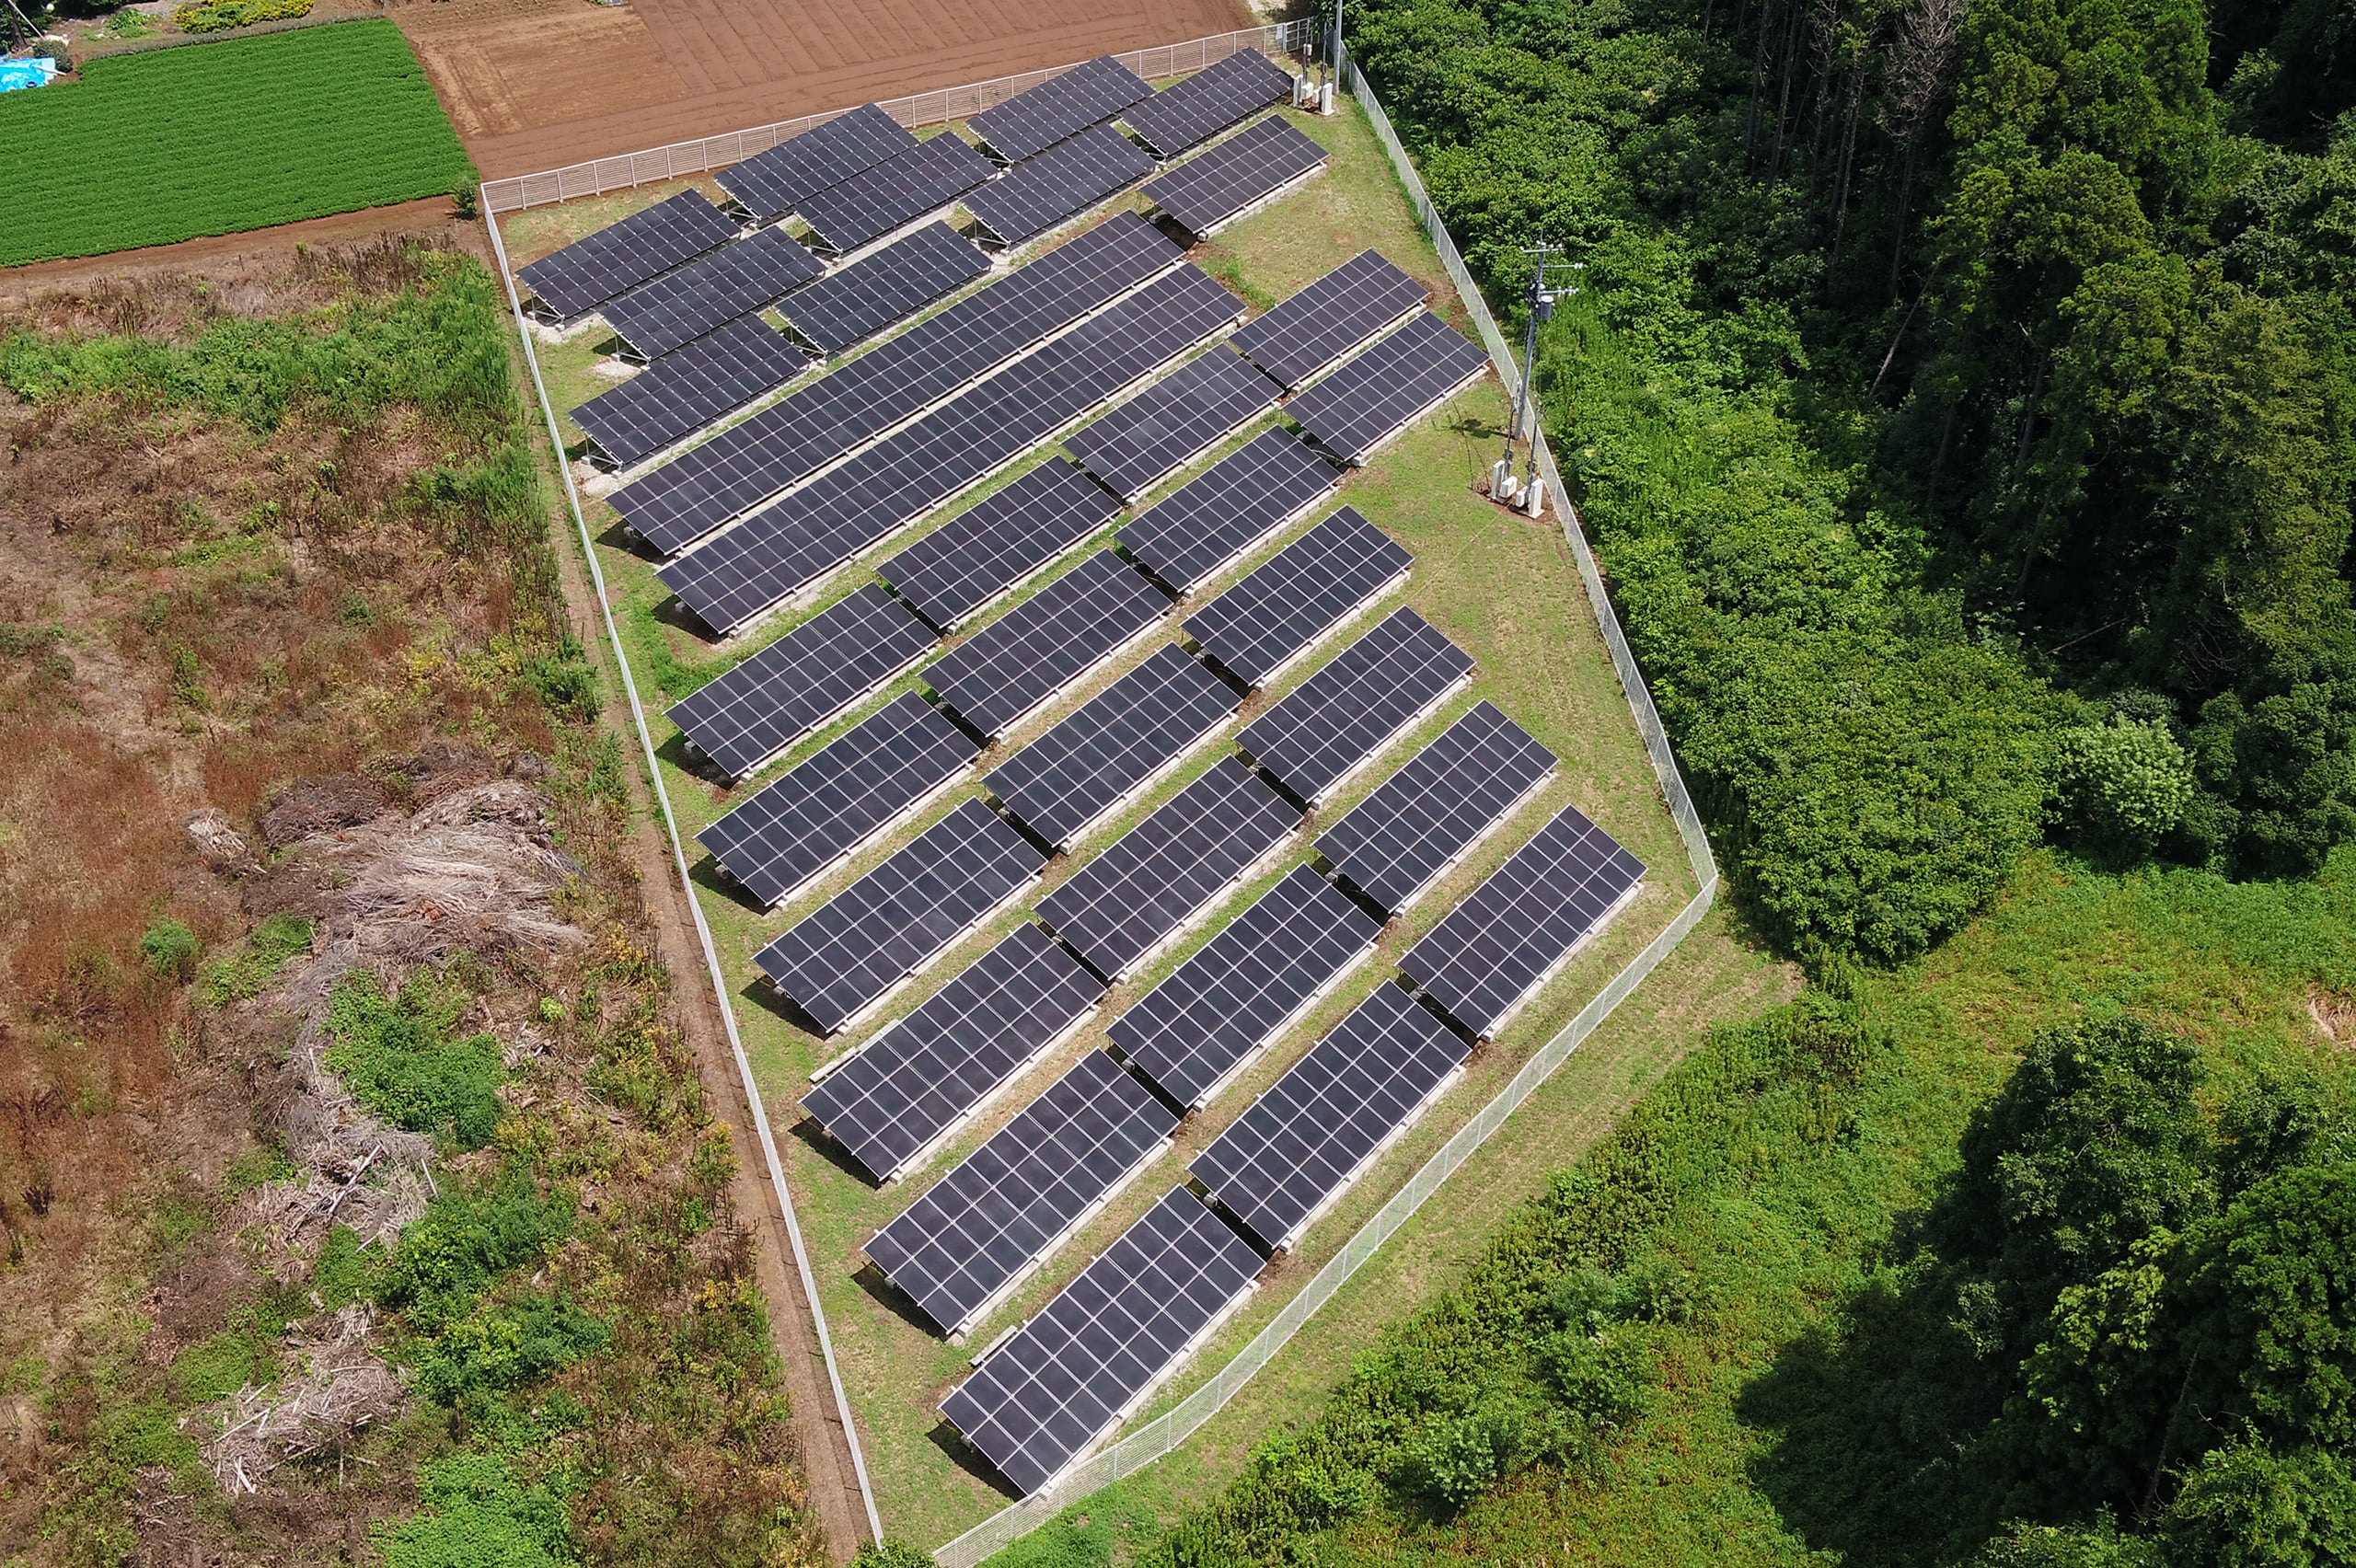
(223, 137)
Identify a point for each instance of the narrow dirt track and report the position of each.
(533, 84)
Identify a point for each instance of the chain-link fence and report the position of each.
(600, 177)
(1166, 1431)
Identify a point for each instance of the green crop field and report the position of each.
(223, 137)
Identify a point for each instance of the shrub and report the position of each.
(246, 973)
(169, 949)
(398, 1056)
(508, 1346)
(216, 16)
(2128, 781)
(478, 1515)
(449, 1255)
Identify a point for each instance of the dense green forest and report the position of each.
(1963, 399)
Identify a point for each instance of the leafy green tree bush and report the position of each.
(401, 1058)
(2129, 781)
(477, 1514)
(169, 949)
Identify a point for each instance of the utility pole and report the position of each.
(1333, 61)
(1551, 279)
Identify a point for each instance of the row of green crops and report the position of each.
(223, 137)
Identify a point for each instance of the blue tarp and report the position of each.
(33, 73)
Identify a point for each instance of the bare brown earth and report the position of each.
(534, 85)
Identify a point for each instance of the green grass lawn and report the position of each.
(1507, 590)
(218, 138)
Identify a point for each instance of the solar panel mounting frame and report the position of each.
(1136, 791)
(604, 455)
(1495, 826)
(1293, 660)
(1185, 1353)
(916, 807)
(1115, 651)
(1013, 142)
(1258, 204)
(1278, 318)
(924, 1153)
(1471, 375)
(955, 1333)
(834, 345)
(1211, 904)
(1356, 1172)
(1383, 747)
(1110, 145)
(1131, 482)
(1227, 563)
(1284, 1025)
(953, 622)
(852, 123)
(852, 249)
(1504, 1019)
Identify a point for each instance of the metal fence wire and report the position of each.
(601, 177)
(1166, 1431)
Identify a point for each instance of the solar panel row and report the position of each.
(858, 785)
(1426, 817)
(898, 190)
(686, 301)
(851, 305)
(842, 957)
(1207, 102)
(1018, 662)
(1186, 538)
(1340, 718)
(1094, 1352)
(794, 685)
(583, 275)
(1067, 179)
(1118, 742)
(1191, 1033)
(1387, 388)
(1161, 873)
(1065, 105)
(775, 181)
(1300, 337)
(1173, 420)
(1317, 1126)
(997, 1215)
(918, 1080)
(1498, 946)
(687, 388)
(976, 555)
(1297, 596)
(747, 463)
(733, 579)
(1211, 191)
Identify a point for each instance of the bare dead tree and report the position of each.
(1922, 69)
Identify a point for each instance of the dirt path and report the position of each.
(217, 253)
(534, 85)
(825, 1449)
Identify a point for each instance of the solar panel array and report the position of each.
(687, 388)
(1329, 318)
(1064, 181)
(1318, 1126)
(1173, 420)
(1189, 1034)
(1154, 878)
(1044, 644)
(1297, 596)
(1033, 121)
(811, 530)
(1350, 709)
(776, 181)
(1246, 170)
(1385, 389)
(1220, 512)
(809, 821)
(1090, 1354)
(853, 305)
(1120, 738)
(1207, 102)
(683, 304)
(919, 1077)
(1493, 948)
(745, 465)
(902, 188)
(1423, 818)
(885, 925)
(593, 270)
(980, 553)
(1008, 1204)
(785, 690)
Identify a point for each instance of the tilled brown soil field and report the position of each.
(537, 83)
